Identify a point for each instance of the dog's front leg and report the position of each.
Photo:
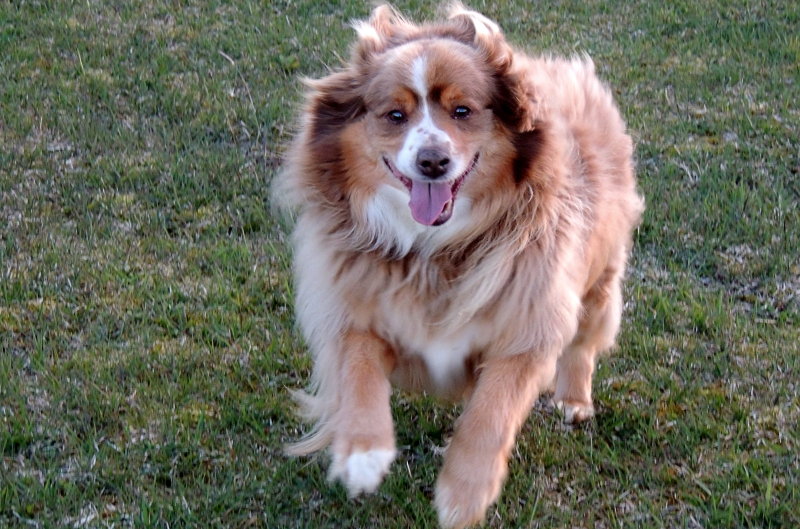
(476, 460)
(363, 444)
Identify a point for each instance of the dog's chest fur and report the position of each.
(446, 352)
(417, 307)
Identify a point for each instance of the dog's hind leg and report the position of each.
(602, 310)
(363, 444)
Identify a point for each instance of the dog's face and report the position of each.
(419, 129)
(427, 117)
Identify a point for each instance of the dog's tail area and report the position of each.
(311, 409)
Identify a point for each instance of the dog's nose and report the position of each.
(432, 162)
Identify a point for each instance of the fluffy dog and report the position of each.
(464, 217)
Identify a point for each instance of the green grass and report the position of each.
(147, 341)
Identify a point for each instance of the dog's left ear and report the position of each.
(385, 25)
(515, 102)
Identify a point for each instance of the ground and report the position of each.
(147, 340)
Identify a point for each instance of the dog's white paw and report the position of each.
(574, 412)
(362, 472)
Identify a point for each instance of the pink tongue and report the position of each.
(428, 201)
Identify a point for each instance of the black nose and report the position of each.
(432, 162)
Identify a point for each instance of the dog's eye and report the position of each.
(396, 116)
(461, 112)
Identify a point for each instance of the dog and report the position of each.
(463, 217)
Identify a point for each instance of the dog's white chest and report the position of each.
(446, 357)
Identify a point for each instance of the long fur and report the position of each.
(531, 262)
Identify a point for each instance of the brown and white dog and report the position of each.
(464, 217)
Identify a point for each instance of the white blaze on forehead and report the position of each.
(419, 70)
(423, 133)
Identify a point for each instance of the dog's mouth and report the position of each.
(432, 203)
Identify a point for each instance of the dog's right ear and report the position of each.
(384, 26)
(336, 100)
(333, 102)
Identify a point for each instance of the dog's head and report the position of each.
(430, 102)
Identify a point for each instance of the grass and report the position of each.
(147, 340)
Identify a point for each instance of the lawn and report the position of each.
(147, 339)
